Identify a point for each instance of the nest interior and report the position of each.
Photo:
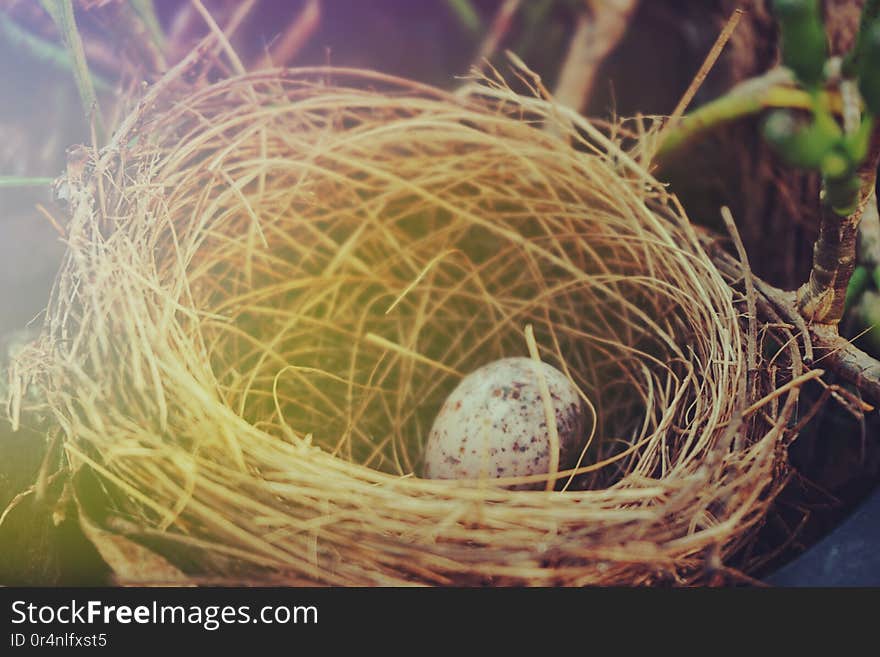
(272, 284)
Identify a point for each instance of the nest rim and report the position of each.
(406, 542)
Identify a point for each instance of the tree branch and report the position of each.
(821, 342)
(822, 298)
(848, 361)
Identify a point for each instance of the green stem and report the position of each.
(16, 181)
(62, 14)
(748, 99)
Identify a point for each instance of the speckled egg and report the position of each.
(494, 424)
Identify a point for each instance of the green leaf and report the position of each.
(858, 142)
(858, 282)
(836, 164)
(842, 195)
(803, 146)
(804, 43)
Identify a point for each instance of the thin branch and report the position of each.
(596, 35)
(497, 31)
(835, 353)
(848, 361)
(707, 65)
(751, 302)
(237, 64)
(294, 38)
(822, 343)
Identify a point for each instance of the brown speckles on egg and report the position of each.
(494, 423)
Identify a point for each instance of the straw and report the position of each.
(294, 270)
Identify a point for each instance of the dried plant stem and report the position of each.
(706, 67)
(822, 343)
(498, 29)
(294, 38)
(596, 34)
(751, 302)
(253, 368)
(222, 39)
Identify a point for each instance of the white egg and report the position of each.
(494, 425)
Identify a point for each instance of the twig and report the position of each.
(751, 302)
(784, 302)
(781, 390)
(497, 31)
(852, 402)
(773, 302)
(596, 34)
(707, 65)
(221, 37)
(52, 221)
(295, 37)
(836, 353)
(848, 361)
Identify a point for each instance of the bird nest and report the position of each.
(272, 284)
